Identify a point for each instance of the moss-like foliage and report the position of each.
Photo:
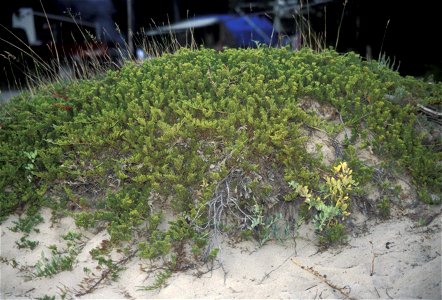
(204, 133)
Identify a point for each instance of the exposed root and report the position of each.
(226, 200)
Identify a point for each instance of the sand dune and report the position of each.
(397, 258)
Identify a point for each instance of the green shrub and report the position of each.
(172, 132)
(333, 234)
(384, 207)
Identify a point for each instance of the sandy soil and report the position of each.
(398, 258)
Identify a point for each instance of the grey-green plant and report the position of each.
(72, 236)
(24, 243)
(27, 223)
(60, 260)
(48, 267)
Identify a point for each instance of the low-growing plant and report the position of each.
(383, 207)
(72, 236)
(27, 223)
(24, 242)
(46, 297)
(113, 268)
(30, 165)
(427, 197)
(48, 267)
(160, 281)
(159, 244)
(60, 260)
(124, 213)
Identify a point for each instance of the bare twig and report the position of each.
(340, 24)
(379, 296)
(311, 287)
(343, 124)
(372, 259)
(267, 275)
(94, 285)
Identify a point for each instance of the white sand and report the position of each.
(410, 268)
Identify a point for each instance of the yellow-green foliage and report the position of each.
(167, 132)
(333, 201)
(339, 186)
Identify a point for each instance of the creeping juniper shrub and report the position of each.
(165, 134)
(123, 212)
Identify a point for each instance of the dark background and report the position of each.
(410, 39)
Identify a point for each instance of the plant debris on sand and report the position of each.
(170, 154)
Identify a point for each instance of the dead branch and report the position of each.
(429, 111)
(323, 278)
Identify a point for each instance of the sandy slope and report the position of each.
(392, 259)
